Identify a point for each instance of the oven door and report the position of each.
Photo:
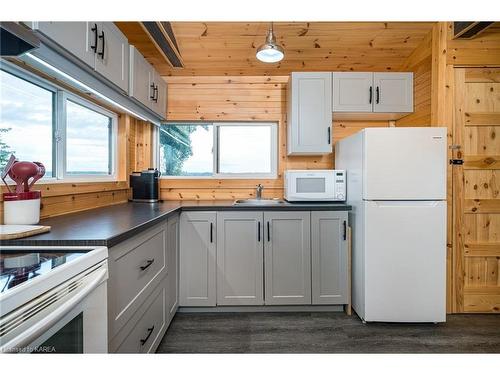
(71, 318)
(311, 186)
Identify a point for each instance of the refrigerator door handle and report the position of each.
(431, 203)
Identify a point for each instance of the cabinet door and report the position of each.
(112, 59)
(173, 265)
(197, 259)
(141, 77)
(393, 92)
(352, 92)
(329, 257)
(310, 114)
(159, 104)
(287, 258)
(78, 38)
(240, 261)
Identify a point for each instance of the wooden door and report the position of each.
(393, 92)
(352, 92)
(112, 59)
(476, 187)
(329, 258)
(310, 113)
(197, 259)
(240, 263)
(287, 258)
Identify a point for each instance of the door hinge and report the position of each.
(456, 161)
(454, 147)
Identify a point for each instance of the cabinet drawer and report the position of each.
(136, 267)
(146, 328)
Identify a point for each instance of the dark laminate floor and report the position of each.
(326, 333)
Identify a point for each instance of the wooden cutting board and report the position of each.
(12, 232)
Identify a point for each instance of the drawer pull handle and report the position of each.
(150, 331)
(148, 263)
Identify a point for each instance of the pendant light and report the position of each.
(270, 52)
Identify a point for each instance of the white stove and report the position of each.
(53, 299)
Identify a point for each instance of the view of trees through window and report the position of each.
(186, 150)
(218, 149)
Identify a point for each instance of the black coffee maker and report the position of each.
(145, 185)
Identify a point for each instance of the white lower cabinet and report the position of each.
(287, 258)
(144, 331)
(172, 266)
(198, 259)
(240, 263)
(329, 257)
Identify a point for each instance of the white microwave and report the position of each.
(315, 185)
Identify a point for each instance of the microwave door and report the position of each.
(313, 188)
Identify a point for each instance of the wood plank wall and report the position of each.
(420, 63)
(238, 98)
(59, 198)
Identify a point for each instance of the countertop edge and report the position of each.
(125, 235)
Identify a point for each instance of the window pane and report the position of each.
(26, 121)
(88, 141)
(186, 150)
(245, 149)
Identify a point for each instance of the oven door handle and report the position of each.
(36, 330)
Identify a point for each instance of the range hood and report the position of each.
(16, 39)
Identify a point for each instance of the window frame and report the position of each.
(215, 153)
(59, 125)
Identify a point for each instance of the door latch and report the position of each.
(456, 162)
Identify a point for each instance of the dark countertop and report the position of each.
(108, 226)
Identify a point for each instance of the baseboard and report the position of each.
(238, 309)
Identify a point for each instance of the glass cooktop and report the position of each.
(17, 267)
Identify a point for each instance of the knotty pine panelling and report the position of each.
(420, 63)
(134, 152)
(238, 98)
(228, 48)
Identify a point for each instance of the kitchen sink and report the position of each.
(259, 202)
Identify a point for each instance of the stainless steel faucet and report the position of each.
(258, 191)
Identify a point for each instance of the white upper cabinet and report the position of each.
(100, 45)
(393, 92)
(352, 92)
(141, 78)
(79, 38)
(310, 114)
(146, 85)
(375, 96)
(112, 59)
(159, 104)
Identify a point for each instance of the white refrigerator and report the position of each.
(396, 184)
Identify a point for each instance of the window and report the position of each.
(71, 136)
(26, 121)
(220, 150)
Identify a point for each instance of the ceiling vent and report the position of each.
(162, 36)
(469, 30)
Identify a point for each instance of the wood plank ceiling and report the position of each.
(228, 48)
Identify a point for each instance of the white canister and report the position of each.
(21, 208)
